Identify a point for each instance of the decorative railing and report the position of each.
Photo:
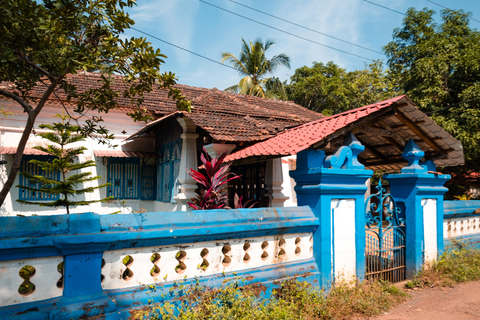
(461, 218)
(86, 264)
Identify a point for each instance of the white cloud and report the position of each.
(172, 21)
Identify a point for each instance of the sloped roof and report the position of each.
(383, 127)
(225, 116)
(27, 151)
(123, 154)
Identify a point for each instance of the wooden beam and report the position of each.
(403, 125)
(372, 150)
(368, 119)
(395, 143)
(373, 130)
(412, 126)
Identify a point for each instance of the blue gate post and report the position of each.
(419, 193)
(320, 182)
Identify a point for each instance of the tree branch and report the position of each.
(20, 101)
(24, 58)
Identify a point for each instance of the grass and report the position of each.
(458, 263)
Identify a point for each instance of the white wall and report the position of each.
(117, 122)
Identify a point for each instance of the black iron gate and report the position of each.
(385, 238)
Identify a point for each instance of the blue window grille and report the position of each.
(34, 169)
(130, 180)
(167, 171)
(148, 182)
(124, 175)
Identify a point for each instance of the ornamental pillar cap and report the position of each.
(412, 153)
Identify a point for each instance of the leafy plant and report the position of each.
(212, 191)
(460, 262)
(255, 69)
(463, 197)
(213, 177)
(63, 160)
(291, 300)
(237, 202)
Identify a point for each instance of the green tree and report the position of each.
(70, 185)
(438, 66)
(257, 70)
(329, 89)
(42, 43)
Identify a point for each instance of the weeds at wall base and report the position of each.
(291, 300)
(458, 263)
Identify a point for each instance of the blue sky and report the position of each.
(209, 31)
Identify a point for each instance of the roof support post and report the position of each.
(188, 161)
(273, 181)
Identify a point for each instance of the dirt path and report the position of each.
(460, 302)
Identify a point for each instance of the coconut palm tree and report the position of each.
(255, 68)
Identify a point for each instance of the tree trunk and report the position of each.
(17, 158)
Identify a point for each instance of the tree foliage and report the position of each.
(70, 185)
(257, 70)
(42, 43)
(438, 66)
(329, 89)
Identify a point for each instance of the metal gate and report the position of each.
(385, 238)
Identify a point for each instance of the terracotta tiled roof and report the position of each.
(225, 116)
(302, 137)
(27, 151)
(381, 152)
(123, 154)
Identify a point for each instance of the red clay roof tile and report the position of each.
(225, 116)
(302, 137)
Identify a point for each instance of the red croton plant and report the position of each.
(212, 178)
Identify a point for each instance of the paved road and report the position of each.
(460, 302)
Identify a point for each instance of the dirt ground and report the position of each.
(460, 302)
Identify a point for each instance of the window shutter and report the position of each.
(148, 183)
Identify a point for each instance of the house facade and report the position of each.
(147, 167)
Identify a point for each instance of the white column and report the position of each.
(274, 180)
(430, 228)
(343, 234)
(188, 161)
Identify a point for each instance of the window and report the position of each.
(167, 170)
(34, 169)
(123, 175)
(251, 185)
(130, 180)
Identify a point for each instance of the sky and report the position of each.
(200, 27)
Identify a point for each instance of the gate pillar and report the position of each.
(419, 191)
(334, 188)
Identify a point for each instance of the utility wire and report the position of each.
(286, 32)
(306, 28)
(448, 9)
(178, 47)
(379, 5)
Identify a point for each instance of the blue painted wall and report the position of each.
(81, 239)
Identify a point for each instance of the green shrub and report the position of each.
(291, 300)
(458, 263)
